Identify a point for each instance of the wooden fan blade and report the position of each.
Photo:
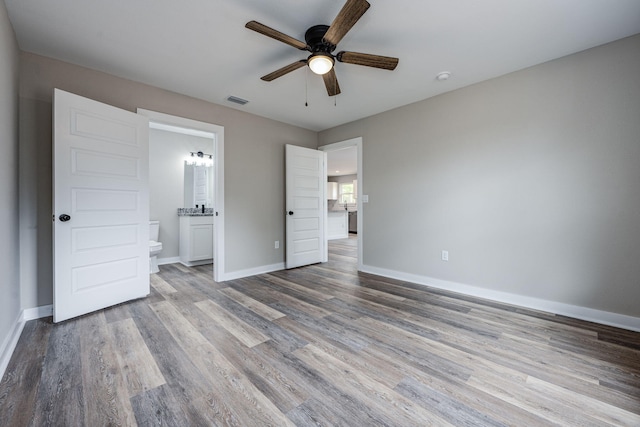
(368, 60)
(347, 18)
(331, 82)
(275, 34)
(284, 70)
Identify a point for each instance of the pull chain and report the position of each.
(306, 90)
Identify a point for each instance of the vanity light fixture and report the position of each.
(198, 158)
(200, 154)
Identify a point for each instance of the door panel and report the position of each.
(305, 193)
(101, 168)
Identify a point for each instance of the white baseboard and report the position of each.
(254, 271)
(37, 312)
(163, 261)
(9, 344)
(583, 313)
(197, 263)
(338, 236)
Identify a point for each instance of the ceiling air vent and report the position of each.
(237, 100)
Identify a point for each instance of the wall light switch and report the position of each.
(365, 198)
(277, 244)
(445, 255)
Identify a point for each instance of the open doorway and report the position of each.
(344, 207)
(192, 147)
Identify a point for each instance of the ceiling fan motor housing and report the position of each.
(315, 39)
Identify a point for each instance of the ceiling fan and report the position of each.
(321, 41)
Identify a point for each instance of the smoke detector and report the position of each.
(442, 76)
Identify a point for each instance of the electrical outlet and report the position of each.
(276, 244)
(445, 255)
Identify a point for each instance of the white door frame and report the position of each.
(218, 153)
(354, 142)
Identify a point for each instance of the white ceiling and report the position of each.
(342, 162)
(202, 49)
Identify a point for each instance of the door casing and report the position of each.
(354, 142)
(218, 205)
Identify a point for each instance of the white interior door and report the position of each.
(306, 205)
(100, 206)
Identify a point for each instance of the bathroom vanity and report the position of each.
(196, 236)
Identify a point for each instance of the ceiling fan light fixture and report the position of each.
(320, 63)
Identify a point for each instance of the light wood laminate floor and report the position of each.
(320, 345)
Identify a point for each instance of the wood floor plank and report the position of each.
(342, 406)
(282, 337)
(158, 407)
(137, 365)
(200, 400)
(296, 287)
(390, 405)
(307, 327)
(319, 345)
(161, 285)
(19, 386)
(514, 390)
(263, 372)
(101, 376)
(59, 401)
(452, 409)
(288, 300)
(117, 313)
(256, 306)
(427, 355)
(246, 334)
(381, 371)
(591, 407)
(444, 394)
(315, 412)
(252, 406)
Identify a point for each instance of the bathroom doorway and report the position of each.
(351, 204)
(175, 145)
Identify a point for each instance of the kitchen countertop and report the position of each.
(195, 212)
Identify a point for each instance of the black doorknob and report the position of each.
(64, 217)
(290, 212)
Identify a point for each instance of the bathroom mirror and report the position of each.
(198, 185)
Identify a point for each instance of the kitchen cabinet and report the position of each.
(332, 191)
(337, 225)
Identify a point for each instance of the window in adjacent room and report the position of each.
(346, 193)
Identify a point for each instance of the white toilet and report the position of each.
(155, 247)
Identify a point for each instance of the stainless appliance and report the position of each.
(353, 222)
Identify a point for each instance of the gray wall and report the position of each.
(254, 164)
(167, 151)
(531, 181)
(9, 246)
